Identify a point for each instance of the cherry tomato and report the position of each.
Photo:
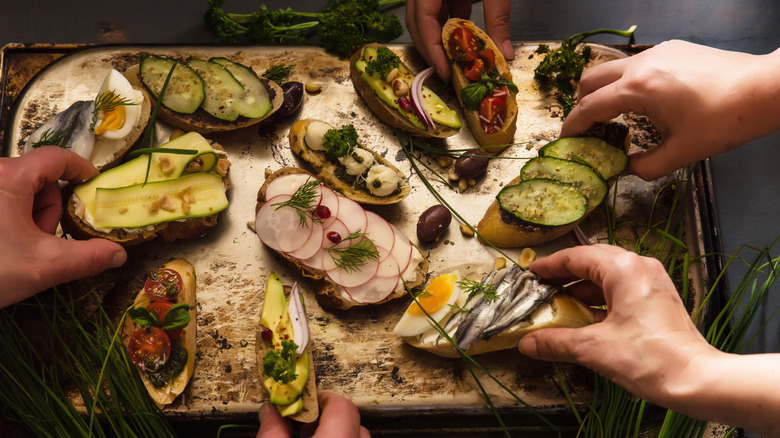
(501, 91)
(161, 308)
(163, 284)
(488, 57)
(463, 45)
(149, 348)
(492, 112)
(474, 69)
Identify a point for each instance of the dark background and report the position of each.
(746, 181)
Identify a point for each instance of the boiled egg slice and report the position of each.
(118, 107)
(437, 300)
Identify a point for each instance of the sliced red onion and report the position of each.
(582, 239)
(298, 320)
(415, 93)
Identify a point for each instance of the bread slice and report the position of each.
(327, 171)
(329, 294)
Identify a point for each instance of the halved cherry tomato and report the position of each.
(161, 308)
(492, 112)
(488, 57)
(463, 45)
(501, 91)
(149, 348)
(474, 69)
(163, 284)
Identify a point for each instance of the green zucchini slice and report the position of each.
(195, 195)
(543, 201)
(185, 91)
(579, 175)
(223, 91)
(595, 152)
(255, 101)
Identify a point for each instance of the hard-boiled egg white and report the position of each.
(437, 299)
(115, 121)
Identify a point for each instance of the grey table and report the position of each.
(746, 180)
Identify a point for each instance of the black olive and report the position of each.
(433, 223)
(472, 164)
(293, 96)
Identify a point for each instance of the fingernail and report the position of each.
(527, 346)
(118, 259)
(508, 49)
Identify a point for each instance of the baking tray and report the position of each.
(399, 389)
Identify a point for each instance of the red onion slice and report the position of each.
(415, 93)
(298, 320)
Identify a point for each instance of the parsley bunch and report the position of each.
(280, 365)
(340, 142)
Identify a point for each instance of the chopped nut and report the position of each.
(176, 134)
(527, 255)
(313, 86)
(251, 226)
(123, 209)
(452, 175)
(466, 230)
(185, 207)
(195, 166)
(391, 75)
(186, 195)
(499, 263)
(166, 202)
(472, 182)
(400, 87)
(268, 172)
(222, 167)
(166, 164)
(463, 185)
(154, 206)
(445, 161)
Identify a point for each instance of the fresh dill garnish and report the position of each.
(340, 142)
(107, 102)
(280, 365)
(474, 287)
(48, 137)
(278, 73)
(561, 68)
(458, 309)
(303, 201)
(352, 257)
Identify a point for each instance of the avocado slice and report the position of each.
(287, 393)
(440, 112)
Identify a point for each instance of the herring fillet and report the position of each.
(74, 125)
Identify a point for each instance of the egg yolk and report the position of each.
(435, 295)
(113, 114)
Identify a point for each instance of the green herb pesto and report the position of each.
(172, 368)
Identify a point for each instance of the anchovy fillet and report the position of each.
(73, 128)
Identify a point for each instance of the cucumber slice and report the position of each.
(595, 152)
(185, 91)
(255, 101)
(543, 201)
(223, 91)
(579, 175)
(195, 195)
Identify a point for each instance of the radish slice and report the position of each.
(330, 199)
(279, 229)
(286, 185)
(402, 250)
(415, 94)
(322, 260)
(382, 285)
(380, 231)
(312, 245)
(298, 320)
(352, 214)
(354, 278)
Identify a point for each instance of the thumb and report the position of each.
(272, 425)
(74, 259)
(661, 160)
(554, 344)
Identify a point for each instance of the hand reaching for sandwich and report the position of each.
(339, 419)
(704, 101)
(32, 259)
(648, 344)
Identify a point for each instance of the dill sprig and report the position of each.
(303, 201)
(474, 287)
(49, 137)
(350, 258)
(107, 101)
(278, 73)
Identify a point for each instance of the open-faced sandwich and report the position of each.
(397, 95)
(160, 332)
(483, 83)
(488, 315)
(175, 192)
(354, 257)
(208, 95)
(284, 353)
(553, 192)
(346, 165)
(101, 130)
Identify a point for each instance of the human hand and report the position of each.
(32, 259)
(704, 101)
(645, 342)
(424, 20)
(340, 418)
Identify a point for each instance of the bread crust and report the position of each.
(327, 293)
(188, 295)
(567, 311)
(326, 170)
(498, 141)
(385, 112)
